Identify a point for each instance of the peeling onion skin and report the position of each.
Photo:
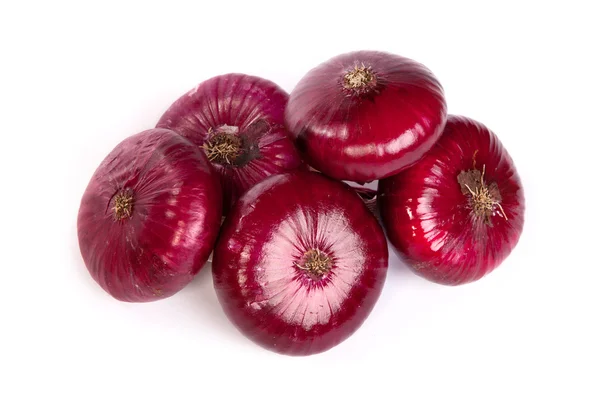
(362, 137)
(430, 220)
(258, 258)
(155, 249)
(239, 101)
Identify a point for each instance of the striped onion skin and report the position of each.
(430, 216)
(259, 269)
(248, 107)
(149, 217)
(363, 130)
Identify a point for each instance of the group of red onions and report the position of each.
(238, 168)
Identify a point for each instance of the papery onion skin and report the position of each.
(366, 135)
(155, 248)
(260, 270)
(253, 107)
(430, 218)
(369, 197)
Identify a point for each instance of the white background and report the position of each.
(78, 77)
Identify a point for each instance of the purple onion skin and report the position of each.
(369, 197)
(255, 107)
(258, 267)
(430, 219)
(155, 249)
(370, 134)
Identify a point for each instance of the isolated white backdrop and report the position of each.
(78, 77)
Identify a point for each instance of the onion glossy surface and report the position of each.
(237, 120)
(458, 213)
(300, 263)
(366, 115)
(149, 216)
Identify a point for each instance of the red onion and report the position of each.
(369, 197)
(149, 217)
(238, 121)
(300, 263)
(458, 213)
(366, 115)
